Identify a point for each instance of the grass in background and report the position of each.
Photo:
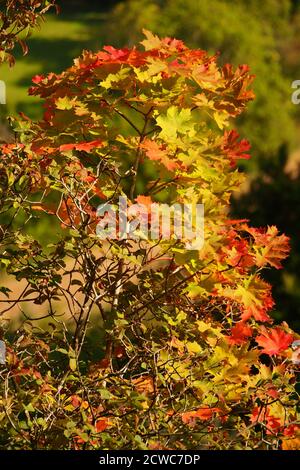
(52, 48)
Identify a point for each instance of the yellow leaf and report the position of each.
(221, 119)
(193, 347)
(151, 42)
(64, 103)
(72, 364)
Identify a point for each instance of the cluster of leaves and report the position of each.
(263, 43)
(17, 18)
(189, 357)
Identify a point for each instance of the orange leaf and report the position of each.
(239, 333)
(189, 417)
(263, 415)
(144, 384)
(159, 153)
(291, 444)
(270, 248)
(274, 341)
(81, 146)
(101, 424)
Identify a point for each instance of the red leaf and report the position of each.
(274, 341)
(42, 208)
(262, 415)
(239, 333)
(38, 79)
(233, 148)
(291, 430)
(75, 401)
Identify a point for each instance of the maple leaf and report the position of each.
(174, 45)
(37, 79)
(221, 119)
(236, 93)
(274, 341)
(175, 122)
(116, 54)
(82, 146)
(254, 296)
(269, 247)
(239, 333)
(204, 414)
(156, 152)
(152, 41)
(206, 74)
(233, 148)
(64, 103)
(111, 55)
(236, 252)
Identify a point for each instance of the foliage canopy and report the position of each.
(189, 355)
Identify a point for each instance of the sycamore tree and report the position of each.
(189, 356)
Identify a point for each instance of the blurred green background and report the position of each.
(264, 34)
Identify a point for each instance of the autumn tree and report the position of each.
(188, 356)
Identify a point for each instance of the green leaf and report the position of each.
(29, 408)
(63, 351)
(175, 122)
(105, 394)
